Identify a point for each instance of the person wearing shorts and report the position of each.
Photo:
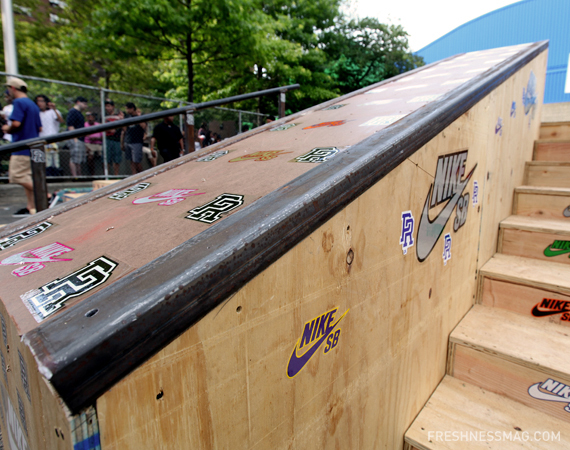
(114, 153)
(25, 124)
(75, 120)
(132, 140)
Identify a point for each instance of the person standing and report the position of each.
(7, 112)
(93, 144)
(114, 154)
(51, 118)
(25, 124)
(132, 139)
(168, 137)
(75, 120)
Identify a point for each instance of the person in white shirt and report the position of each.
(51, 118)
(7, 112)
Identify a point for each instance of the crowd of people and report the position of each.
(23, 118)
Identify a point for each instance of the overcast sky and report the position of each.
(425, 20)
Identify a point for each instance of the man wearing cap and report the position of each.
(75, 120)
(25, 124)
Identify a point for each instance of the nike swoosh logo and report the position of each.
(549, 312)
(534, 392)
(549, 251)
(566, 212)
(429, 231)
(296, 363)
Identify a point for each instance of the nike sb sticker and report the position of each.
(10, 241)
(551, 391)
(334, 123)
(34, 259)
(447, 187)
(260, 156)
(130, 191)
(557, 248)
(551, 307)
(317, 331)
(168, 198)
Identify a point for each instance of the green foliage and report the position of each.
(199, 50)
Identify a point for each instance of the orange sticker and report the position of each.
(260, 156)
(334, 123)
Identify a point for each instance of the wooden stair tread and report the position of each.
(552, 141)
(515, 269)
(456, 406)
(525, 340)
(548, 163)
(542, 190)
(553, 226)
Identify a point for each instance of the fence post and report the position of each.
(239, 122)
(105, 168)
(38, 161)
(190, 147)
(281, 105)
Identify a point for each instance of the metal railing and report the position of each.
(37, 145)
(102, 159)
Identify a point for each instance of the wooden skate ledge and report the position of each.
(143, 311)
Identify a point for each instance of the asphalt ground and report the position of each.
(13, 198)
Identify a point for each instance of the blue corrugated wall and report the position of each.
(519, 23)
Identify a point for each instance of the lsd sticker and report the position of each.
(383, 120)
(10, 241)
(213, 156)
(260, 156)
(167, 198)
(284, 127)
(212, 211)
(446, 248)
(551, 391)
(407, 235)
(317, 155)
(33, 260)
(334, 123)
(315, 332)
(130, 191)
(51, 297)
(333, 107)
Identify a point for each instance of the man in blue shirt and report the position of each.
(26, 124)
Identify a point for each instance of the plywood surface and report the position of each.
(459, 407)
(224, 383)
(545, 173)
(543, 202)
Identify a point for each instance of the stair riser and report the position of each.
(523, 299)
(495, 374)
(540, 205)
(552, 151)
(532, 244)
(558, 132)
(551, 176)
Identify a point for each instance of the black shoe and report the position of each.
(22, 213)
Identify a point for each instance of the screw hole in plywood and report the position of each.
(238, 309)
(160, 395)
(349, 257)
(91, 313)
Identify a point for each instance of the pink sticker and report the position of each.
(167, 198)
(32, 260)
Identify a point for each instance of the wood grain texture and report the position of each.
(546, 173)
(223, 383)
(552, 150)
(559, 130)
(531, 244)
(543, 202)
(459, 407)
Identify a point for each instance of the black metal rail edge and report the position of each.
(145, 310)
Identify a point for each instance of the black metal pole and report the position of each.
(38, 161)
(281, 104)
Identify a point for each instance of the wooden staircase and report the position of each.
(507, 382)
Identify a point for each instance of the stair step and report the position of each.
(520, 357)
(529, 237)
(521, 284)
(458, 407)
(551, 150)
(548, 173)
(546, 202)
(555, 130)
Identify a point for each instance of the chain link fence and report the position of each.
(122, 152)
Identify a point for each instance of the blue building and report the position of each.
(519, 23)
